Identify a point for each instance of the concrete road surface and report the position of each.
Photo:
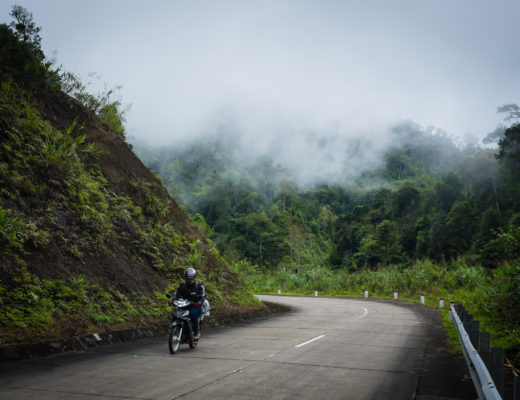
(326, 349)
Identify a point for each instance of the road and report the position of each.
(326, 349)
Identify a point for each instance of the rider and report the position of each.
(195, 292)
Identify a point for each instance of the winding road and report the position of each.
(328, 348)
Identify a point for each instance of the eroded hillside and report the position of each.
(90, 239)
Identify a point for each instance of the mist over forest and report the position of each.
(266, 197)
(308, 156)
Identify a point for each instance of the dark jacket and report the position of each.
(195, 293)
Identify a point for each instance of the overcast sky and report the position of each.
(355, 66)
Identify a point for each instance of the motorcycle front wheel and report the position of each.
(174, 339)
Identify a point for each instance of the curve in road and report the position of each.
(328, 348)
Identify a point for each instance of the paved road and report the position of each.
(326, 349)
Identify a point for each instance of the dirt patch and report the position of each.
(277, 308)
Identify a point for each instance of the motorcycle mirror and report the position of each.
(169, 295)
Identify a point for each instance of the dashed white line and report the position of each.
(309, 341)
(365, 313)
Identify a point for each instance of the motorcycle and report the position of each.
(181, 331)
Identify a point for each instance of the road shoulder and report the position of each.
(444, 376)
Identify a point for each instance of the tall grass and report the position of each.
(423, 277)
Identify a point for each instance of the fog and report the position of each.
(318, 85)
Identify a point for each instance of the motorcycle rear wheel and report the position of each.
(174, 339)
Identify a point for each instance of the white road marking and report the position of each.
(309, 341)
(365, 313)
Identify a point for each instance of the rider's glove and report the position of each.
(196, 304)
(170, 302)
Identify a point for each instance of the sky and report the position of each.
(288, 69)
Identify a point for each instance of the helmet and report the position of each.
(190, 275)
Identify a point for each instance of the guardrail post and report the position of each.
(497, 368)
(467, 321)
(474, 329)
(395, 294)
(366, 294)
(460, 311)
(516, 387)
(485, 349)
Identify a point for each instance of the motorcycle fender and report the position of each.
(177, 322)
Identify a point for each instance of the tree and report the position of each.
(460, 226)
(490, 222)
(512, 110)
(495, 136)
(218, 212)
(367, 253)
(480, 179)
(446, 192)
(383, 246)
(509, 148)
(381, 197)
(286, 189)
(26, 30)
(388, 242)
(435, 241)
(398, 165)
(404, 199)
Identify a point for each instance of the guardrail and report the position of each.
(486, 366)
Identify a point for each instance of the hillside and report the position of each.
(90, 240)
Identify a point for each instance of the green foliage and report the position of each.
(60, 150)
(509, 149)
(506, 280)
(105, 104)
(21, 54)
(24, 61)
(37, 308)
(19, 59)
(112, 115)
(25, 28)
(10, 229)
(504, 246)
(381, 247)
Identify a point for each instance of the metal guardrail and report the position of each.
(478, 368)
